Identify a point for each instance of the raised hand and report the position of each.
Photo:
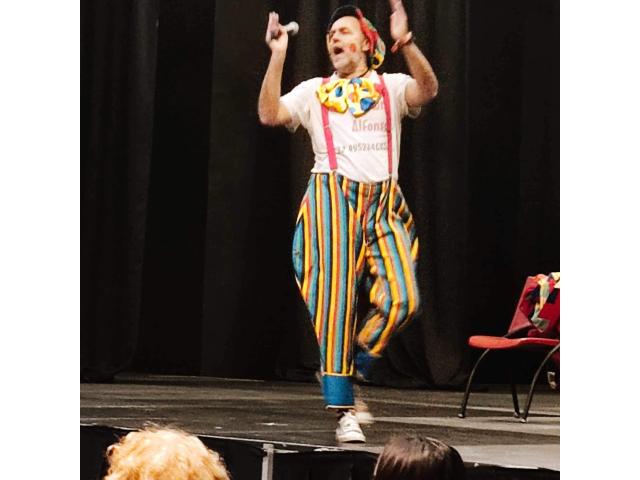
(276, 36)
(398, 22)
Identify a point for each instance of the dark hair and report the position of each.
(414, 457)
(343, 11)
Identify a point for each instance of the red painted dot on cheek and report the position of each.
(353, 47)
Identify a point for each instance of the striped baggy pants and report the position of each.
(347, 232)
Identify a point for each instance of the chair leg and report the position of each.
(465, 399)
(535, 379)
(514, 394)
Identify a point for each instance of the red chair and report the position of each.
(535, 327)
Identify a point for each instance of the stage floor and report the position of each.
(293, 413)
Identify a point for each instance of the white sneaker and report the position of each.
(363, 415)
(349, 430)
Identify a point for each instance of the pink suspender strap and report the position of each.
(387, 112)
(328, 136)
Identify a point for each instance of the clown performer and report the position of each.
(353, 225)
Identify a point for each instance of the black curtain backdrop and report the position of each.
(118, 61)
(188, 203)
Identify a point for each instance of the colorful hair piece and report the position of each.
(377, 47)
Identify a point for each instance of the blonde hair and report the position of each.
(163, 454)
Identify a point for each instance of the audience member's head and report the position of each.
(163, 454)
(414, 457)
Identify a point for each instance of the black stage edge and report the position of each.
(279, 430)
(247, 460)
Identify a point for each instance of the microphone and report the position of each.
(291, 28)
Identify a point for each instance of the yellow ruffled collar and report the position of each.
(357, 95)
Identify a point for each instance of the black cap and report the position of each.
(343, 11)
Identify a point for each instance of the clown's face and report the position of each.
(347, 46)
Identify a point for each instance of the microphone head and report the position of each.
(292, 28)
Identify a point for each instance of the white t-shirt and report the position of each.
(360, 143)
